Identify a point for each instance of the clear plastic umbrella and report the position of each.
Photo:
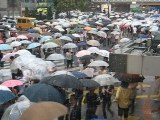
(103, 53)
(98, 63)
(15, 43)
(14, 111)
(93, 43)
(55, 57)
(23, 52)
(70, 46)
(49, 45)
(65, 38)
(93, 49)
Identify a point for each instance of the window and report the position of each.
(21, 20)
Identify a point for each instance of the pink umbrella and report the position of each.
(1, 41)
(83, 53)
(12, 83)
(6, 57)
(22, 37)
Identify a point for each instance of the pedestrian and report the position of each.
(69, 59)
(123, 96)
(74, 109)
(102, 70)
(1, 62)
(92, 100)
(106, 95)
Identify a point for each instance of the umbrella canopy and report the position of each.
(15, 44)
(98, 63)
(22, 37)
(25, 42)
(49, 45)
(90, 83)
(11, 39)
(33, 45)
(79, 75)
(83, 53)
(23, 52)
(43, 92)
(124, 40)
(46, 38)
(87, 58)
(69, 46)
(104, 29)
(102, 34)
(5, 94)
(88, 28)
(93, 43)
(92, 32)
(103, 53)
(65, 38)
(62, 72)
(93, 49)
(34, 35)
(12, 83)
(5, 47)
(76, 35)
(65, 81)
(105, 79)
(19, 107)
(44, 111)
(6, 57)
(55, 57)
(115, 33)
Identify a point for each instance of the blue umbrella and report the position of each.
(26, 42)
(45, 38)
(33, 45)
(43, 92)
(5, 47)
(79, 75)
(6, 96)
(81, 44)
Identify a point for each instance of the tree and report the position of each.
(26, 13)
(49, 13)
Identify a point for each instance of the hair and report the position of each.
(11, 57)
(124, 84)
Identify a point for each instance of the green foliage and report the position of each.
(49, 13)
(136, 10)
(26, 12)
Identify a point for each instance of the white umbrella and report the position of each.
(92, 32)
(105, 79)
(93, 43)
(57, 35)
(98, 63)
(104, 29)
(11, 39)
(23, 52)
(102, 34)
(103, 53)
(22, 37)
(49, 45)
(76, 35)
(115, 33)
(14, 111)
(55, 57)
(62, 72)
(70, 46)
(16, 43)
(83, 53)
(124, 40)
(93, 49)
(65, 38)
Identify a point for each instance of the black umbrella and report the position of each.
(130, 78)
(64, 81)
(89, 83)
(87, 58)
(43, 92)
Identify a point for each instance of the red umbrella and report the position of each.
(1, 41)
(12, 83)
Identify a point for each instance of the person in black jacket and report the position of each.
(74, 109)
(1, 56)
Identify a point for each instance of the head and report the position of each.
(12, 58)
(124, 84)
(102, 67)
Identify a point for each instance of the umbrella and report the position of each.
(103, 53)
(88, 28)
(89, 83)
(57, 35)
(81, 43)
(69, 46)
(37, 29)
(5, 94)
(65, 38)
(124, 40)
(32, 31)
(87, 58)
(11, 39)
(78, 30)
(49, 45)
(23, 52)
(93, 49)
(43, 92)
(15, 44)
(14, 111)
(5, 47)
(22, 37)
(6, 57)
(93, 32)
(104, 29)
(115, 33)
(50, 64)
(65, 81)
(55, 57)
(13, 30)
(93, 43)
(12, 83)
(46, 38)
(35, 35)
(101, 34)
(99, 63)
(25, 42)
(76, 35)
(62, 72)
(44, 111)
(83, 53)
(105, 79)
(79, 75)
(33, 45)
